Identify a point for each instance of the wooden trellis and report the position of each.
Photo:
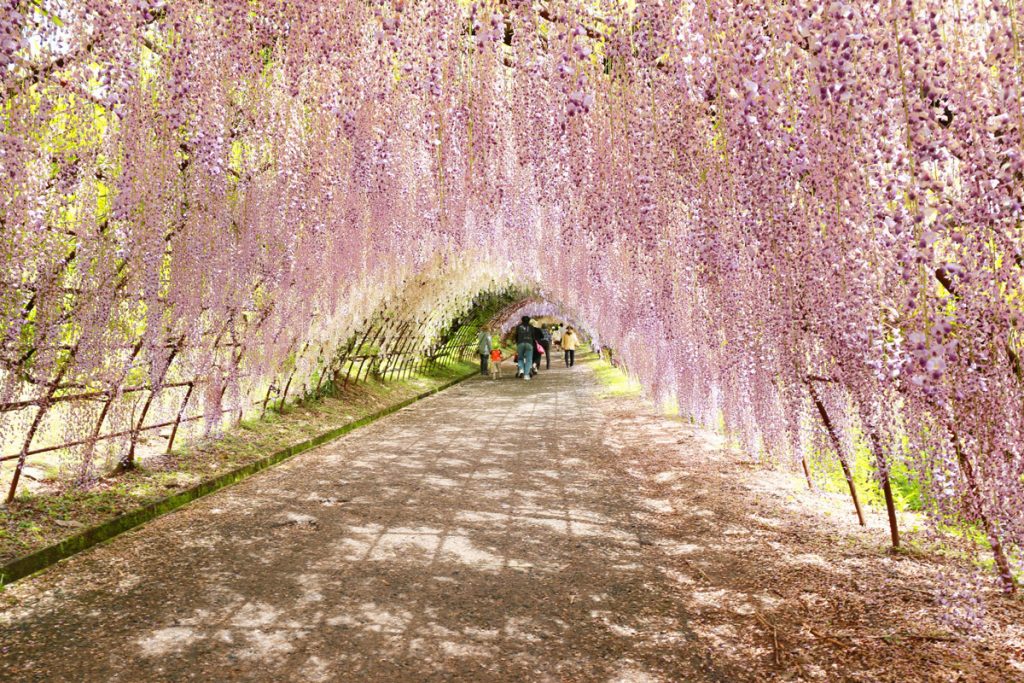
(388, 346)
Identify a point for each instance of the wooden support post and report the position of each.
(357, 349)
(90, 444)
(323, 371)
(287, 384)
(284, 394)
(335, 367)
(376, 337)
(413, 352)
(128, 461)
(344, 356)
(410, 356)
(399, 352)
(383, 360)
(266, 399)
(177, 420)
(379, 361)
(417, 358)
(978, 508)
(359, 370)
(807, 472)
(883, 473)
(424, 360)
(838, 445)
(44, 404)
(380, 358)
(396, 355)
(362, 364)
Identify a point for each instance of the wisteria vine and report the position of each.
(775, 212)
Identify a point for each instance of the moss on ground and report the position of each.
(36, 520)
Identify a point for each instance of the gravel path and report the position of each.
(500, 531)
(468, 537)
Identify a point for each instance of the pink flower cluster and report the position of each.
(754, 203)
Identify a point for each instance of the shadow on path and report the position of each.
(501, 531)
(468, 537)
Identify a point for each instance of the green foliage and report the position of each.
(906, 489)
(616, 383)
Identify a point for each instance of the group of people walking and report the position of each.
(533, 346)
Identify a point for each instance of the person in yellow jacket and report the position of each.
(569, 343)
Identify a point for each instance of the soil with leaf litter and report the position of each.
(507, 530)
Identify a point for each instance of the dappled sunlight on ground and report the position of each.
(782, 583)
(499, 531)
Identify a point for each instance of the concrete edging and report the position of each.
(39, 560)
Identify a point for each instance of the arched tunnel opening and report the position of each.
(149, 395)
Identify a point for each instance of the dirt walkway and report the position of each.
(525, 531)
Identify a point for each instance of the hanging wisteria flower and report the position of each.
(780, 213)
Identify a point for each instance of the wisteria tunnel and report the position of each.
(787, 235)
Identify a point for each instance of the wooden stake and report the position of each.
(177, 420)
(838, 445)
(883, 473)
(1005, 573)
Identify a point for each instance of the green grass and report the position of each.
(615, 382)
(906, 489)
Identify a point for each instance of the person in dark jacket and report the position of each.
(538, 346)
(545, 343)
(524, 347)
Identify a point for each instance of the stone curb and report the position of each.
(39, 560)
